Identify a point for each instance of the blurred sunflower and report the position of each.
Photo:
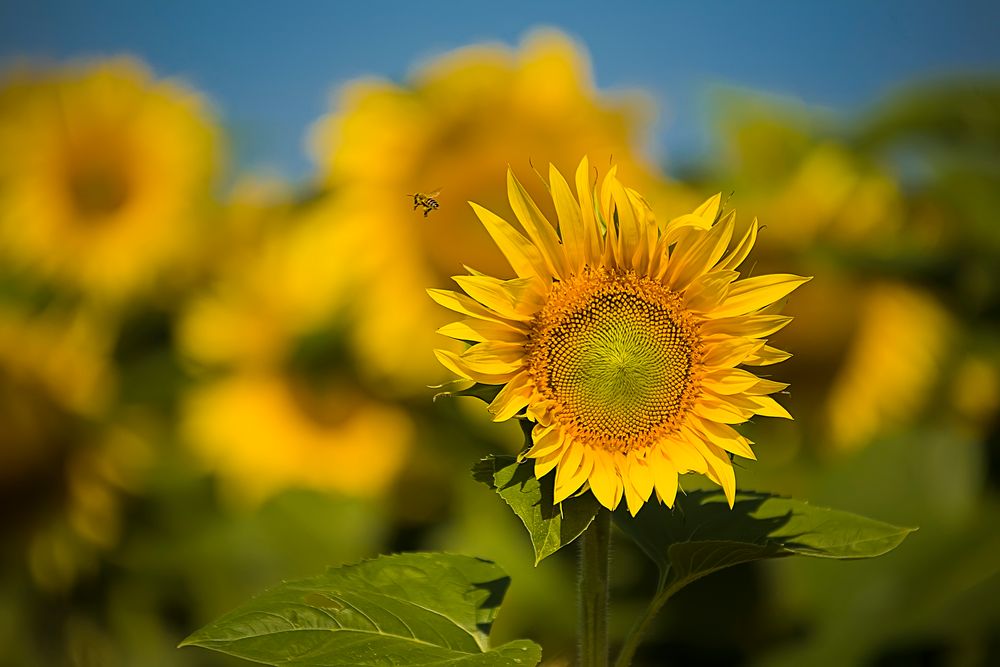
(264, 433)
(280, 408)
(904, 334)
(61, 471)
(621, 338)
(870, 369)
(101, 171)
(457, 122)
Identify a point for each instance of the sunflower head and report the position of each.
(102, 171)
(621, 339)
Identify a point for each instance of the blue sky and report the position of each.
(270, 68)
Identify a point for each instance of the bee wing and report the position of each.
(435, 193)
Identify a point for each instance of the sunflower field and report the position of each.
(215, 379)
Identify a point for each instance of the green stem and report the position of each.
(593, 593)
(638, 630)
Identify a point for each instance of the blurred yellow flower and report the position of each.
(976, 391)
(872, 366)
(290, 276)
(267, 423)
(59, 466)
(837, 196)
(263, 433)
(620, 338)
(894, 358)
(453, 126)
(101, 172)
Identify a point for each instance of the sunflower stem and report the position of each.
(638, 630)
(595, 550)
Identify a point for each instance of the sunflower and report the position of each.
(621, 339)
(905, 334)
(277, 409)
(263, 432)
(101, 171)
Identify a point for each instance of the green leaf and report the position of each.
(550, 526)
(702, 534)
(407, 609)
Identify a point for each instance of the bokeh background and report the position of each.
(215, 348)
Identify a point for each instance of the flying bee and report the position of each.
(428, 202)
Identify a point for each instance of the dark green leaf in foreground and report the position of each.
(550, 526)
(407, 609)
(702, 534)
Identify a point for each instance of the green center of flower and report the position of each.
(615, 353)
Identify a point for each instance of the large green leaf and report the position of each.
(407, 609)
(550, 526)
(701, 534)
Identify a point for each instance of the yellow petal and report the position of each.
(709, 209)
(683, 457)
(720, 470)
(697, 255)
(766, 356)
(515, 299)
(465, 305)
(540, 231)
(708, 290)
(480, 331)
(570, 484)
(638, 483)
(629, 232)
(570, 223)
(593, 241)
(648, 232)
(604, 480)
(452, 362)
(727, 381)
(546, 439)
(545, 464)
(523, 257)
(567, 471)
(681, 225)
(658, 257)
(664, 478)
(618, 461)
(725, 437)
(740, 252)
(764, 387)
(541, 412)
(746, 326)
(721, 411)
(703, 217)
(612, 246)
(768, 407)
(752, 294)
(726, 351)
(494, 358)
(512, 398)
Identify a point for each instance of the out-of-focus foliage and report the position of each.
(204, 391)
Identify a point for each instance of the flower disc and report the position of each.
(615, 355)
